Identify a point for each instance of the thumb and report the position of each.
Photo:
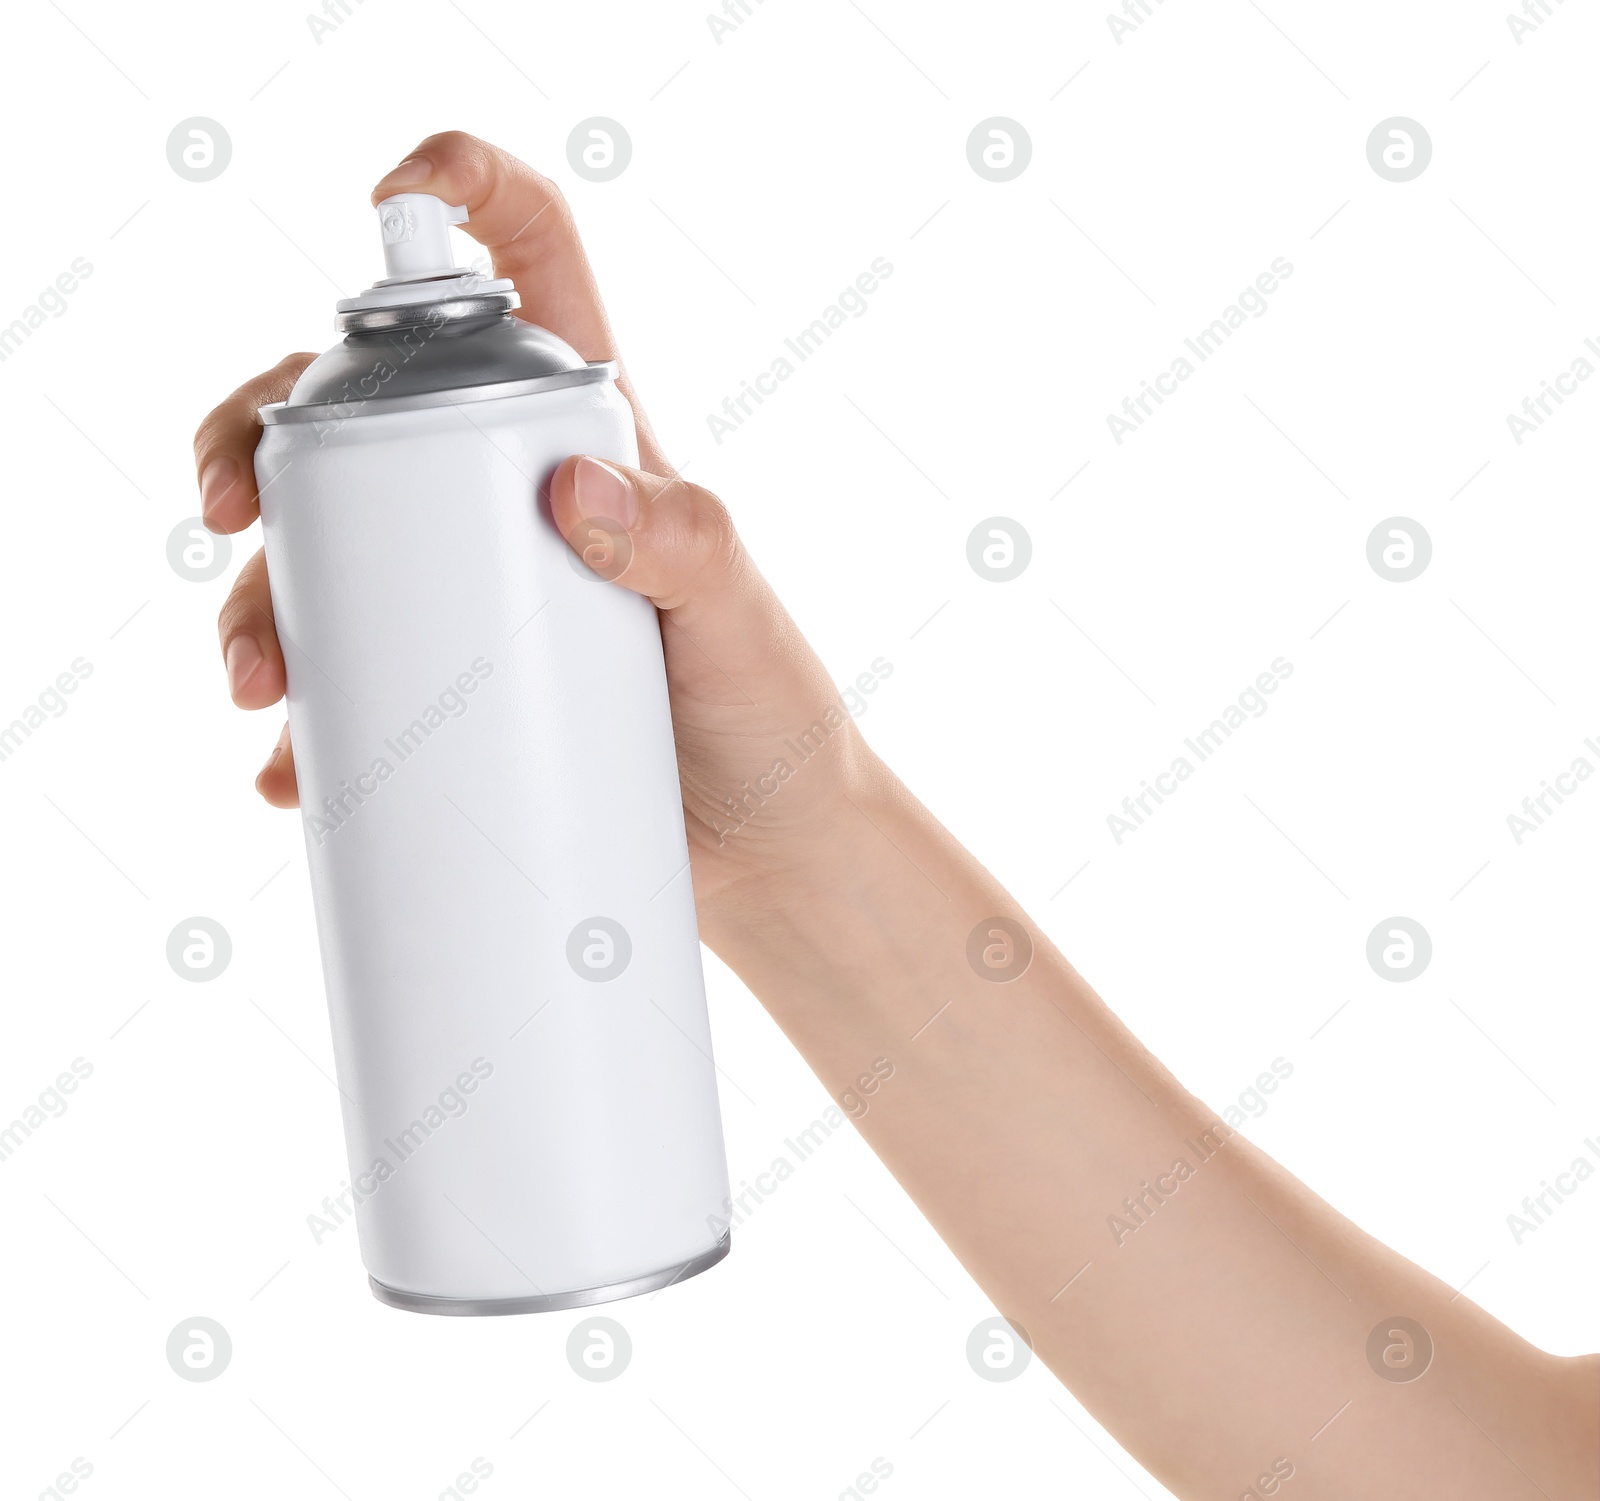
(664, 538)
(675, 543)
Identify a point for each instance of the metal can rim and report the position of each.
(414, 314)
(279, 413)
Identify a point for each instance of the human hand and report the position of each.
(742, 679)
(1021, 1110)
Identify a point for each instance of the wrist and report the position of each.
(864, 915)
(774, 875)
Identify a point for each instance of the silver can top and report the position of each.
(429, 334)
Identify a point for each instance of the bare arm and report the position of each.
(1210, 1310)
(1214, 1314)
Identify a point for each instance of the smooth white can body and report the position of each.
(489, 786)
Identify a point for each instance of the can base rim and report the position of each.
(551, 1302)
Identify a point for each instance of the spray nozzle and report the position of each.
(423, 280)
(416, 236)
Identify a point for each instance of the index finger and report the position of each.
(524, 223)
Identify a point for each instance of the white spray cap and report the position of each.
(416, 236)
(421, 267)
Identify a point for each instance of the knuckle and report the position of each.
(247, 609)
(506, 174)
(231, 420)
(711, 541)
(212, 432)
(230, 618)
(560, 210)
(450, 143)
(472, 165)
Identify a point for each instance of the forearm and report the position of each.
(1213, 1316)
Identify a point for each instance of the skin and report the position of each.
(1224, 1329)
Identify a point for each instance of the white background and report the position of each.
(768, 171)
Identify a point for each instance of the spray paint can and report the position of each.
(493, 820)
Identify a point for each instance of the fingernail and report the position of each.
(603, 494)
(216, 484)
(243, 658)
(412, 171)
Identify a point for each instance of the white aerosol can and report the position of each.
(493, 819)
